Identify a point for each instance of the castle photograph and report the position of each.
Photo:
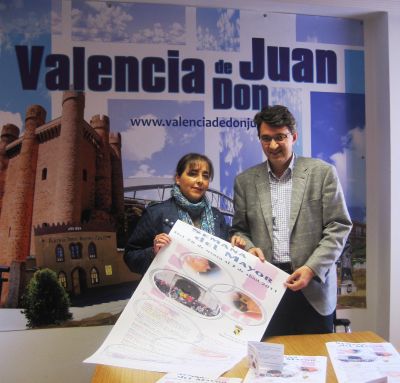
(61, 201)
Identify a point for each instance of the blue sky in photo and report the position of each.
(354, 71)
(329, 30)
(23, 23)
(150, 151)
(239, 150)
(218, 29)
(292, 99)
(128, 22)
(338, 137)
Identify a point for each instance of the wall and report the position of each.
(394, 86)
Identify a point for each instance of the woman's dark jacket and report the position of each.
(156, 219)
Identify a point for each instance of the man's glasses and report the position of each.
(277, 138)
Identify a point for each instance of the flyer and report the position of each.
(199, 303)
(186, 378)
(364, 362)
(296, 368)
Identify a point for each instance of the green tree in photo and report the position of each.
(45, 301)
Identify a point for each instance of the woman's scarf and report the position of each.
(202, 209)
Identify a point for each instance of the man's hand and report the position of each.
(257, 252)
(300, 278)
(238, 241)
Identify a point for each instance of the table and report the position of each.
(294, 345)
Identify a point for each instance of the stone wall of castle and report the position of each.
(45, 205)
(67, 173)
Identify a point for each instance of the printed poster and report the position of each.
(199, 303)
(169, 79)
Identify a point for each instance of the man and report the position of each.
(291, 211)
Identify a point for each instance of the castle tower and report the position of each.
(9, 133)
(117, 183)
(68, 184)
(103, 201)
(19, 232)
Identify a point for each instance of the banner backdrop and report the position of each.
(174, 79)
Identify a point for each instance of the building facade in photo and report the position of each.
(61, 200)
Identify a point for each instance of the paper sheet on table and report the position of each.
(296, 368)
(198, 304)
(364, 362)
(186, 378)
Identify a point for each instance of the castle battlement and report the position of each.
(80, 96)
(36, 112)
(102, 122)
(9, 133)
(115, 138)
(57, 228)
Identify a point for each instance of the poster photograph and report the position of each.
(100, 99)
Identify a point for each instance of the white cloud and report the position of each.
(350, 165)
(177, 34)
(105, 24)
(10, 118)
(171, 34)
(29, 27)
(141, 142)
(56, 23)
(206, 40)
(233, 146)
(144, 171)
(187, 135)
(227, 30)
(226, 37)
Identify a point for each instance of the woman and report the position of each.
(188, 203)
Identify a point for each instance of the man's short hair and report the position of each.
(275, 116)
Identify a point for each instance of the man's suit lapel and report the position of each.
(300, 174)
(264, 194)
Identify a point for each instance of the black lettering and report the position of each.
(29, 69)
(193, 82)
(78, 57)
(126, 70)
(222, 95)
(150, 82)
(99, 73)
(278, 63)
(173, 71)
(303, 70)
(57, 78)
(242, 96)
(326, 64)
(254, 70)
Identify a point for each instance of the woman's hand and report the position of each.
(238, 241)
(160, 240)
